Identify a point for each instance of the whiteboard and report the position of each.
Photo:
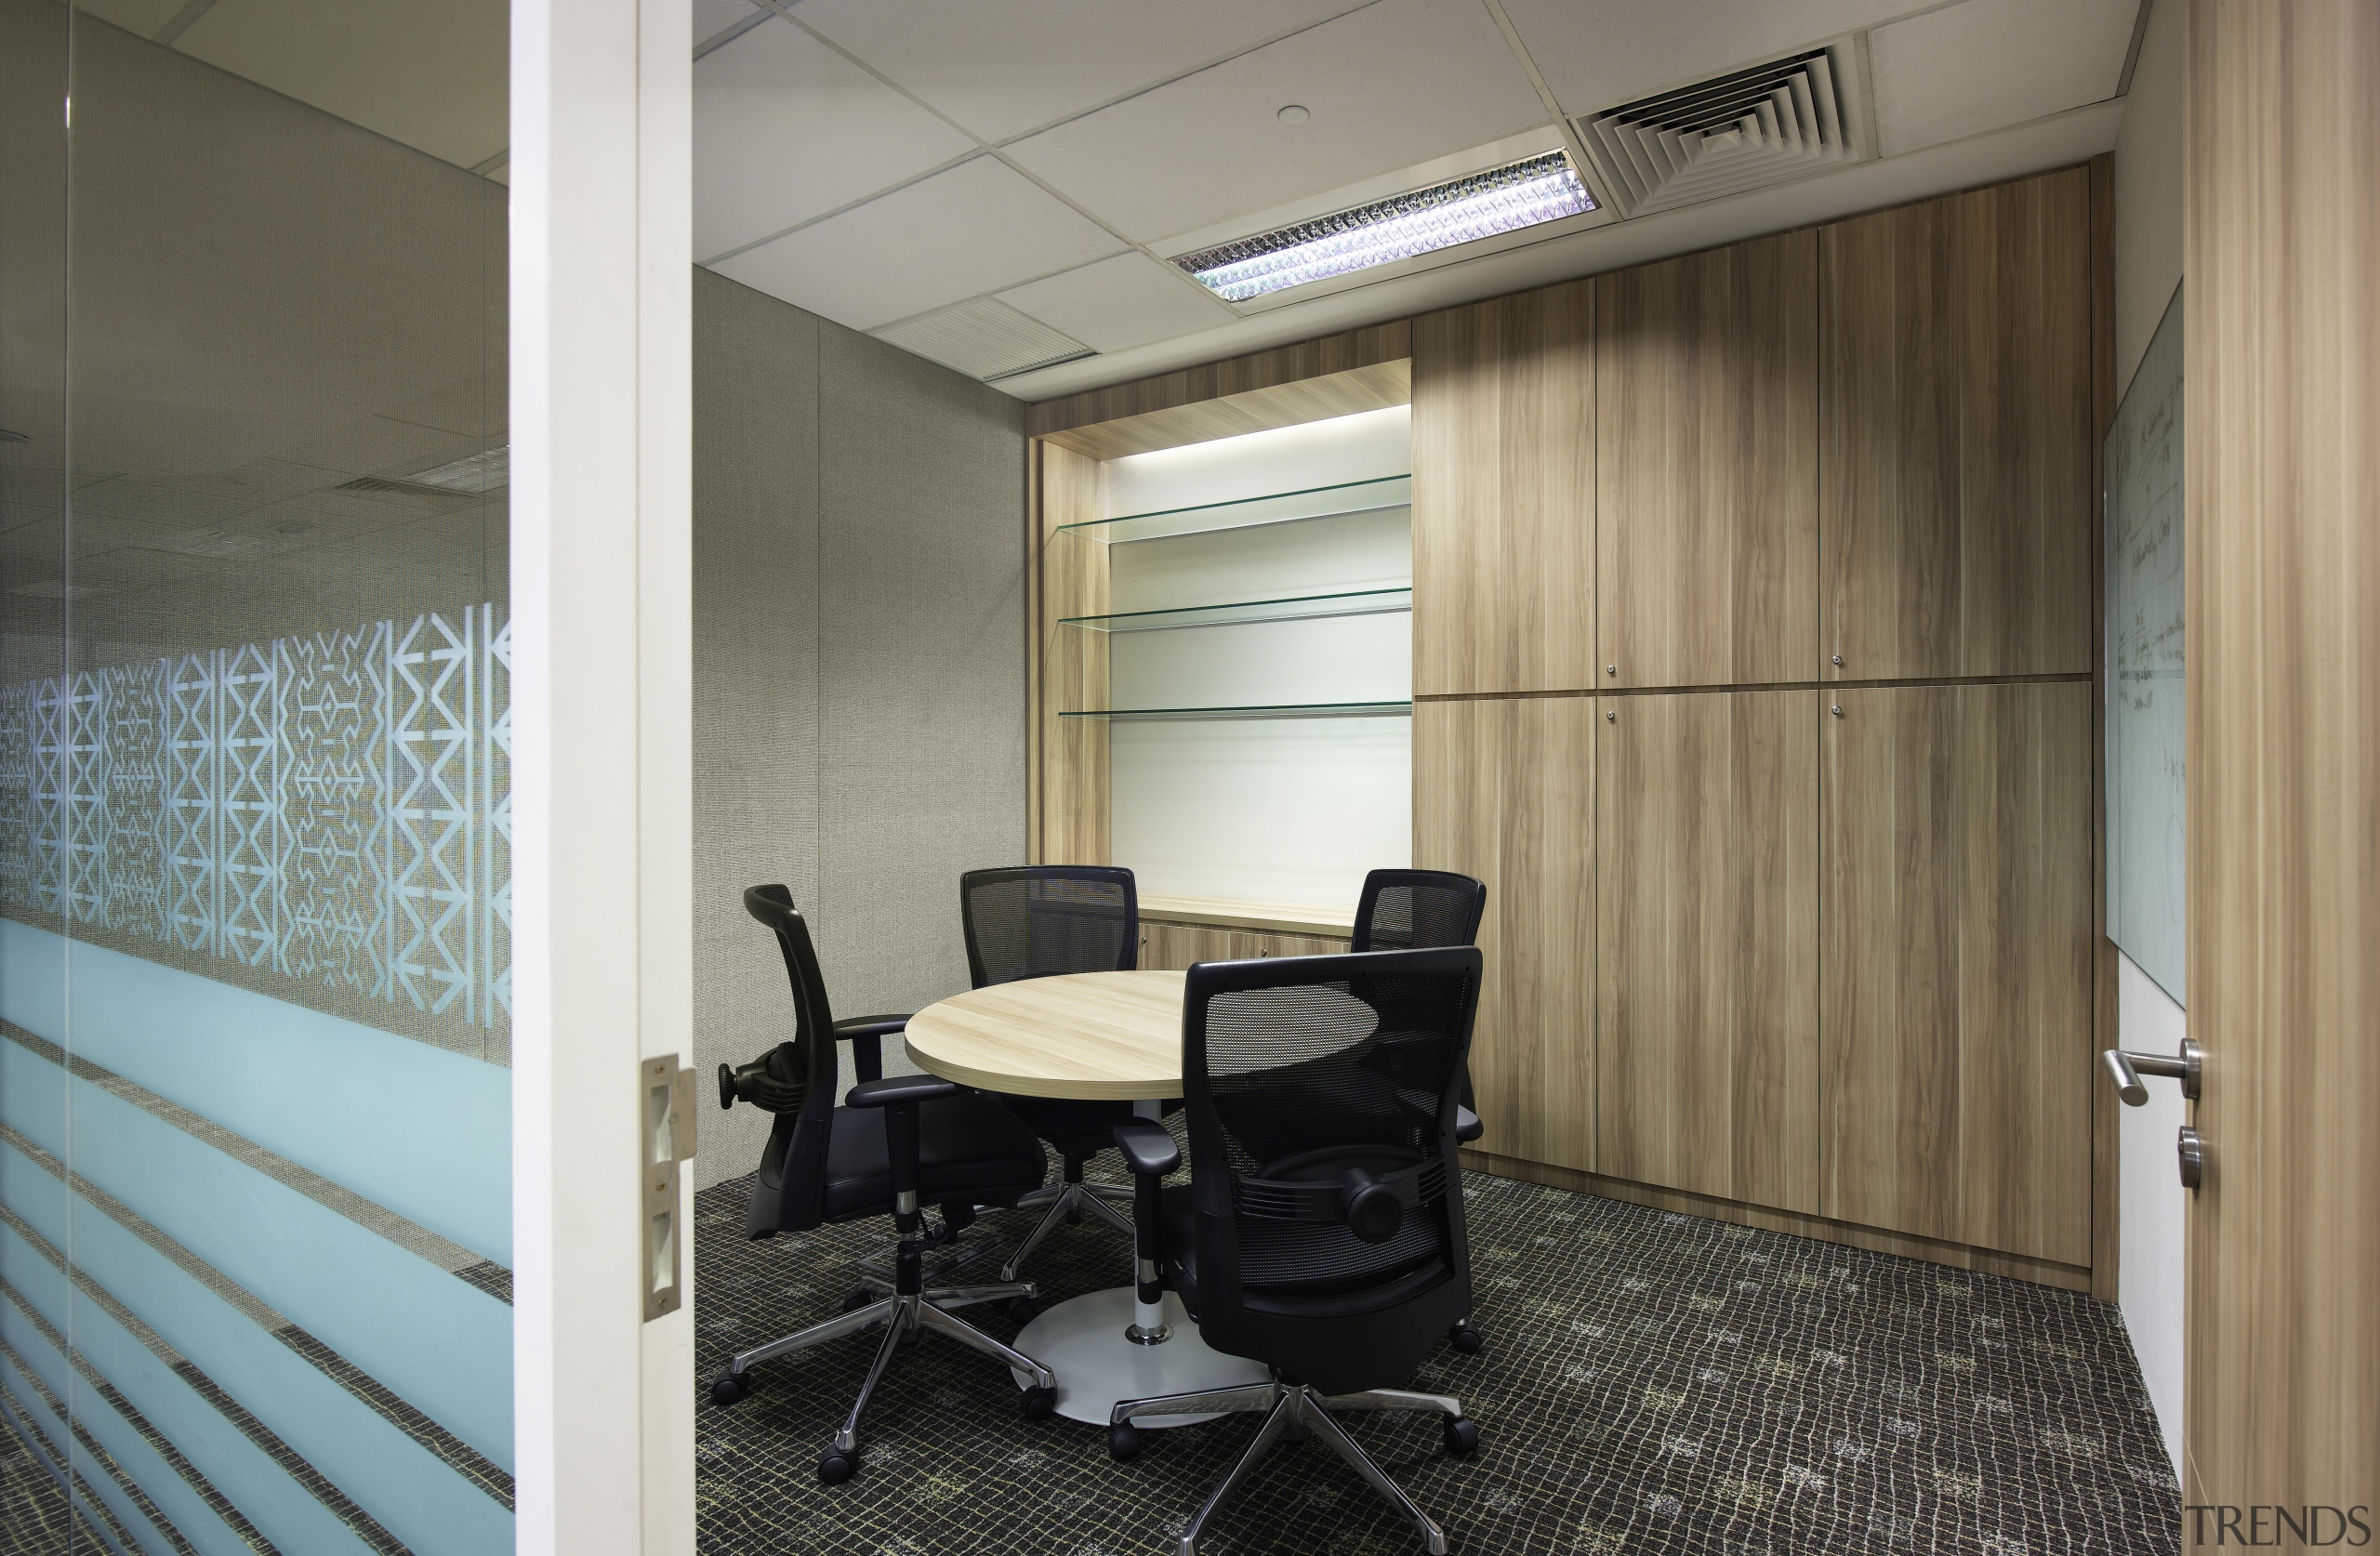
(2143, 650)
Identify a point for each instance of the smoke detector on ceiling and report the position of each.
(1749, 130)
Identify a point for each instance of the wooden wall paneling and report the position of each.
(1504, 789)
(2025, 432)
(1293, 404)
(1707, 944)
(1072, 800)
(2106, 1129)
(2281, 496)
(1350, 350)
(1954, 419)
(1707, 467)
(1955, 964)
(1956, 1255)
(1504, 495)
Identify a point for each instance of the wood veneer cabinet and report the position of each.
(1955, 968)
(1706, 942)
(1504, 789)
(1504, 495)
(1707, 468)
(1178, 946)
(1956, 504)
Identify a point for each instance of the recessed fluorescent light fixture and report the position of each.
(1504, 199)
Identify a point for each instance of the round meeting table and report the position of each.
(1093, 1036)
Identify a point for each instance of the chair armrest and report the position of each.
(1148, 1150)
(1467, 1127)
(866, 1034)
(899, 1091)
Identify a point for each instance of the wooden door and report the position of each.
(2282, 359)
(1954, 1031)
(1955, 500)
(1707, 468)
(1504, 789)
(1707, 944)
(1504, 495)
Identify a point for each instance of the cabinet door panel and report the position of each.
(1707, 468)
(1504, 789)
(1504, 495)
(1955, 1015)
(1955, 507)
(1706, 905)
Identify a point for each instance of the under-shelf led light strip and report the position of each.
(1505, 199)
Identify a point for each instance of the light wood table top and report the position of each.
(1097, 1036)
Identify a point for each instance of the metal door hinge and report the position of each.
(665, 1138)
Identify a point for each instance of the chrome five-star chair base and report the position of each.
(1067, 1202)
(1292, 1407)
(903, 1317)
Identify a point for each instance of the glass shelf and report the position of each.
(1265, 710)
(1314, 502)
(1302, 607)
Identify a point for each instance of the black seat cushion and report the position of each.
(969, 1148)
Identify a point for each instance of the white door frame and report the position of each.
(602, 769)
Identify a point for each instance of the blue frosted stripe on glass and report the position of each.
(21, 1395)
(408, 1488)
(443, 1346)
(425, 1132)
(174, 1496)
(286, 1512)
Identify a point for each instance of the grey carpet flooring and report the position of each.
(1650, 1382)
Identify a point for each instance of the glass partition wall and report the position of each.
(255, 862)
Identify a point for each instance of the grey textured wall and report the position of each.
(859, 676)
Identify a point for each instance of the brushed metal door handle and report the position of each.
(2125, 1070)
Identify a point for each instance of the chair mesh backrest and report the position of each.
(1296, 1068)
(791, 1194)
(1402, 910)
(1038, 920)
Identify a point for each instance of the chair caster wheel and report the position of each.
(727, 1388)
(1123, 1442)
(1074, 1217)
(1023, 1310)
(857, 1298)
(1040, 1404)
(1465, 1338)
(1461, 1435)
(834, 1467)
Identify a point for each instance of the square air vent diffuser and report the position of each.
(1769, 124)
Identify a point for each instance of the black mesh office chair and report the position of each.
(898, 1142)
(1035, 921)
(1401, 910)
(1321, 1233)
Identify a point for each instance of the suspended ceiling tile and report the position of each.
(143, 17)
(1397, 83)
(976, 227)
(1984, 65)
(1128, 300)
(714, 17)
(786, 129)
(1002, 66)
(431, 75)
(1599, 54)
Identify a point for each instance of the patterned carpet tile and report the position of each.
(1651, 1382)
(35, 1517)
